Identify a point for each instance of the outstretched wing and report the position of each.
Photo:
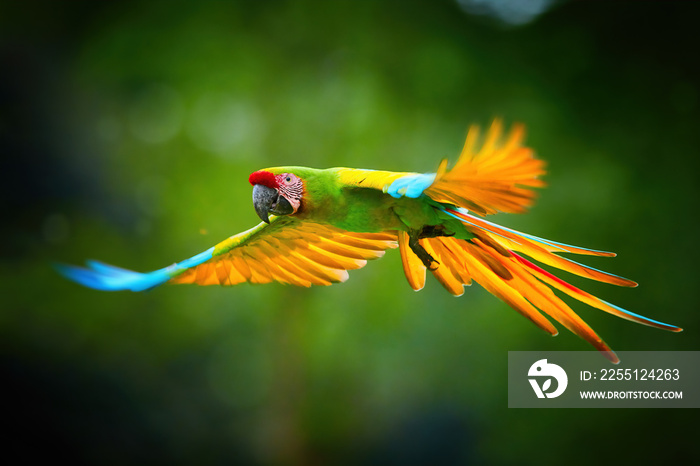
(287, 251)
(495, 177)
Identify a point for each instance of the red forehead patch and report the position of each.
(264, 178)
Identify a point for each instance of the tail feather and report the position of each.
(490, 258)
(538, 250)
(589, 299)
(546, 244)
(544, 298)
(508, 293)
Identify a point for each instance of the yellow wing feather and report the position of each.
(289, 251)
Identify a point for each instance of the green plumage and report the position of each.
(328, 200)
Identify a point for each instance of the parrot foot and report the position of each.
(433, 231)
(428, 261)
(428, 231)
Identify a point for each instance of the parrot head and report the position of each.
(279, 194)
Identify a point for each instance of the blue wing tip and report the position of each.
(105, 277)
(83, 276)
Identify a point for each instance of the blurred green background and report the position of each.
(128, 130)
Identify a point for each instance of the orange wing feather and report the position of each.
(493, 179)
(412, 265)
(289, 251)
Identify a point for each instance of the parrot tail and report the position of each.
(493, 259)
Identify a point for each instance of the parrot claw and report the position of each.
(428, 261)
(428, 231)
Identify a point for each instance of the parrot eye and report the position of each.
(288, 179)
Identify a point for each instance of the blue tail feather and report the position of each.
(643, 320)
(537, 239)
(463, 220)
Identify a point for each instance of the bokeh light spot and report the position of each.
(156, 115)
(226, 126)
(513, 12)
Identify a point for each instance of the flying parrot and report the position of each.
(318, 224)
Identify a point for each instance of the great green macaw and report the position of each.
(326, 222)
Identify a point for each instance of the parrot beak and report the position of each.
(268, 200)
